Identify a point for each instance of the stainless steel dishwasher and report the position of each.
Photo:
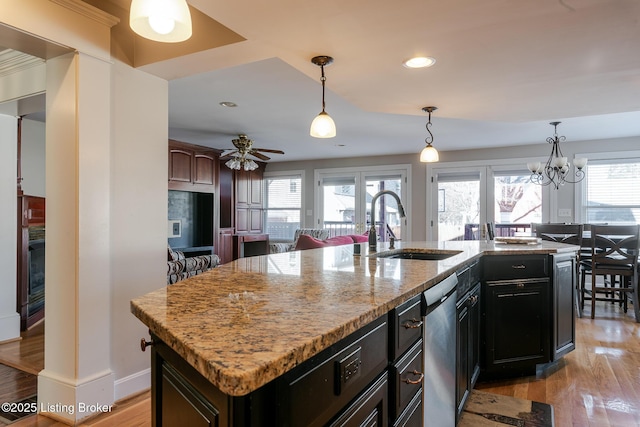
(439, 395)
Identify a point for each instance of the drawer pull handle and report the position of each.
(418, 381)
(519, 267)
(144, 344)
(412, 324)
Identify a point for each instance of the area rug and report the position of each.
(16, 410)
(493, 410)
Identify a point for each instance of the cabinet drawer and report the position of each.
(320, 388)
(406, 326)
(407, 374)
(370, 409)
(516, 267)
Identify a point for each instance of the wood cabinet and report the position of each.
(564, 304)
(407, 363)
(30, 260)
(346, 381)
(517, 314)
(248, 200)
(192, 167)
(467, 334)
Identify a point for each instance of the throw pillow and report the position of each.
(360, 238)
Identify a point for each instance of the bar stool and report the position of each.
(614, 258)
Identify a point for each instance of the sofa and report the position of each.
(179, 267)
(312, 238)
(279, 247)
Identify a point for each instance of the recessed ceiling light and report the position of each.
(228, 104)
(419, 62)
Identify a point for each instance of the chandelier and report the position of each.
(556, 171)
(240, 161)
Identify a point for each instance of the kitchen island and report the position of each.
(235, 336)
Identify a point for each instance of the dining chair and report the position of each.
(613, 266)
(564, 233)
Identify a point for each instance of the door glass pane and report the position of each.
(458, 209)
(387, 216)
(518, 203)
(339, 206)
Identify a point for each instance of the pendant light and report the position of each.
(323, 125)
(167, 21)
(429, 154)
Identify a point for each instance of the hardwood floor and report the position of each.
(598, 384)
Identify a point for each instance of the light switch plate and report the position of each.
(564, 212)
(174, 228)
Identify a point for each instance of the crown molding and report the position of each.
(89, 11)
(13, 61)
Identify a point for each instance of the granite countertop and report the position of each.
(247, 322)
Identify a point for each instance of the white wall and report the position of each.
(33, 158)
(138, 214)
(9, 318)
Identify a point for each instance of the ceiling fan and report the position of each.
(244, 147)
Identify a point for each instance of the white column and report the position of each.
(77, 369)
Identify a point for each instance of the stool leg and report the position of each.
(593, 295)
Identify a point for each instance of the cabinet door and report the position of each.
(564, 293)
(370, 409)
(225, 245)
(255, 188)
(517, 325)
(203, 169)
(255, 220)
(242, 188)
(242, 220)
(474, 336)
(462, 355)
(180, 165)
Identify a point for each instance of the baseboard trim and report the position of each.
(9, 327)
(132, 384)
(73, 400)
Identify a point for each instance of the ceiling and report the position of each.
(504, 70)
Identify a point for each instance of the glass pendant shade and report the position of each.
(167, 21)
(323, 126)
(429, 155)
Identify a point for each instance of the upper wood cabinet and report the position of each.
(191, 167)
(249, 188)
(249, 209)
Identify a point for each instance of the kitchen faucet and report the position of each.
(373, 238)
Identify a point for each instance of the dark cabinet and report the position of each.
(407, 362)
(191, 167)
(467, 336)
(564, 300)
(517, 332)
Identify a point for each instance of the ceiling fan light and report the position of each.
(323, 126)
(167, 21)
(429, 155)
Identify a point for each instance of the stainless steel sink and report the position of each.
(424, 254)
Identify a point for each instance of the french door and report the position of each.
(462, 199)
(344, 200)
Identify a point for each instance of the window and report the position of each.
(612, 191)
(283, 206)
